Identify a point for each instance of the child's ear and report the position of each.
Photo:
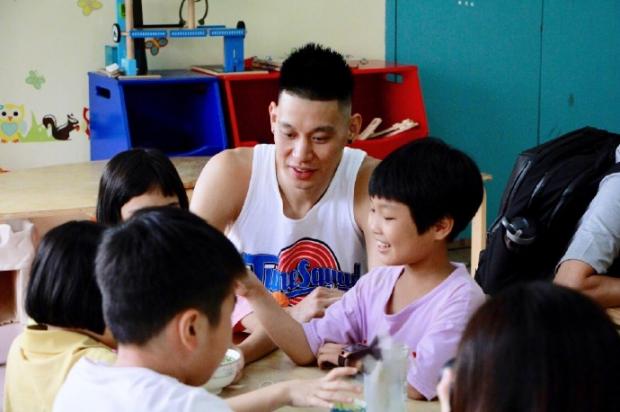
(443, 227)
(190, 328)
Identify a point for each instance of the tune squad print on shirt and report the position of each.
(301, 267)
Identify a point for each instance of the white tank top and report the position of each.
(324, 248)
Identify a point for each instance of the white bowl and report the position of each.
(225, 373)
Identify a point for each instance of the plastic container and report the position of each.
(179, 113)
(390, 92)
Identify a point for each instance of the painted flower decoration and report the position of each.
(88, 6)
(35, 79)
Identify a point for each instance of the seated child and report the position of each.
(63, 299)
(167, 279)
(422, 195)
(535, 347)
(135, 179)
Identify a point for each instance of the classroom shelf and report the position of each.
(390, 92)
(179, 113)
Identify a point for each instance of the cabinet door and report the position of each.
(580, 67)
(479, 64)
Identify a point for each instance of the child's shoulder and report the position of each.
(381, 273)
(100, 354)
(379, 277)
(461, 282)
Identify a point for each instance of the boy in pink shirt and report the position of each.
(422, 196)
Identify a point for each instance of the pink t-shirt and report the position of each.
(431, 326)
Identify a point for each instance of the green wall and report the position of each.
(499, 77)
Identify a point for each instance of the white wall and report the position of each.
(73, 44)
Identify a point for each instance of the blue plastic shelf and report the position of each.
(180, 113)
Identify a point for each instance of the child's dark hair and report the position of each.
(538, 347)
(132, 173)
(315, 72)
(434, 180)
(62, 290)
(159, 263)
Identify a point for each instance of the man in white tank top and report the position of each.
(297, 210)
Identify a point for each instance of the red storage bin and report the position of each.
(391, 92)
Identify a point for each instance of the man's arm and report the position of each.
(579, 275)
(362, 206)
(222, 186)
(597, 242)
(257, 344)
(218, 198)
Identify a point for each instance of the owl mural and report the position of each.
(12, 124)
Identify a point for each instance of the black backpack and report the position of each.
(550, 188)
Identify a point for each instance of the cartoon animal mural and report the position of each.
(12, 124)
(86, 118)
(15, 129)
(63, 131)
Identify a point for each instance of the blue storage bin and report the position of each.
(179, 113)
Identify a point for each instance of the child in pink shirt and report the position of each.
(422, 196)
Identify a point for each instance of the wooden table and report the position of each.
(277, 367)
(67, 189)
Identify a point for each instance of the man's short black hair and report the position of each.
(159, 263)
(132, 173)
(315, 72)
(434, 180)
(62, 290)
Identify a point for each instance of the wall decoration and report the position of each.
(88, 6)
(37, 133)
(63, 131)
(14, 128)
(86, 123)
(12, 124)
(35, 79)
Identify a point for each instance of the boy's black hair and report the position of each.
(132, 173)
(315, 72)
(62, 290)
(159, 263)
(433, 179)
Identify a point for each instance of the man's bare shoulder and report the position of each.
(363, 175)
(222, 186)
(237, 160)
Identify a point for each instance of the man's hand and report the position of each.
(314, 305)
(328, 355)
(325, 391)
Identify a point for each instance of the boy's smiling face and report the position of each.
(396, 236)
